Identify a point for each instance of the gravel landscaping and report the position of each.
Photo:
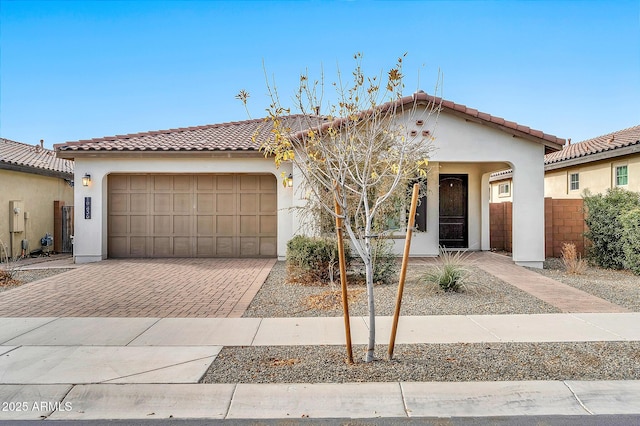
(434, 362)
(619, 287)
(429, 362)
(486, 295)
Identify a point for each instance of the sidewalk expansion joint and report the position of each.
(29, 331)
(107, 381)
(600, 328)
(404, 401)
(484, 328)
(577, 398)
(143, 331)
(233, 396)
(253, 339)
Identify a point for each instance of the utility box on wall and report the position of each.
(16, 216)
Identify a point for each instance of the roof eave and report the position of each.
(589, 158)
(94, 153)
(35, 170)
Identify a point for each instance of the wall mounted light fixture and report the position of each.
(288, 181)
(86, 179)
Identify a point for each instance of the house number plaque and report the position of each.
(87, 207)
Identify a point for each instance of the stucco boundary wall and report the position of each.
(564, 223)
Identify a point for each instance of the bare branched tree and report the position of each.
(364, 150)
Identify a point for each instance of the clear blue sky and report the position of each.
(78, 69)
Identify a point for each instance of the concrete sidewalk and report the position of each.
(126, 368)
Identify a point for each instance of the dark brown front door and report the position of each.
(454, 215)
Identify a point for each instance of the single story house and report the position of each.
(597, 164)
(208, 191)
(31, 179)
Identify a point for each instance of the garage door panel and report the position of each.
(119, 225)
(161, 203)
(161, 224)
(182, 246)
(248, 203)
(248, 225)
(206, 225)
(225, 246)
(181, 225)
(119, 246)
(119, 203)
(118, 183)
(205, 183)
(225, 183)
(225, 225)
(138, 202)
(268, 183)
(162, 183)
(205, 247)
(205, 203)
(138, 183)
(267, 203)
(182, 202)
(268, 246)
(225, 203)
(248, 246)
(192, 215)
(138, 225)
(138, 246)
(268, 225)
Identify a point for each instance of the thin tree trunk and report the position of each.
(372, 311)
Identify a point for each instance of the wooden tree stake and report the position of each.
(403, 270)
(343, 275)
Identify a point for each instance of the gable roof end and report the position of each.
(551, 143)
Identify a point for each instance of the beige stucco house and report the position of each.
(207, 191)
(597, 164)
(31, 179)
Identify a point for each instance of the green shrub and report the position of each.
(605, 228)
(631, 239)
(451, 272)
(385, 264)
(312, 260)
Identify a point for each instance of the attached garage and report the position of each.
(192, 215)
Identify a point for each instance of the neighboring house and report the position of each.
(31, 179)
(597, 164)
(208, 191)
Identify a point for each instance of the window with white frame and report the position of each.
(622, 176)
(574, 181)
(504, 189)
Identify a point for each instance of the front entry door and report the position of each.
(454, 212)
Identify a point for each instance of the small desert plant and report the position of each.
(573, 262)
(451, 272)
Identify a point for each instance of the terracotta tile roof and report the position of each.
(611, 143)
(236, 136)
(233, 136)
(605, 143)
(20, 155)
(552, 143)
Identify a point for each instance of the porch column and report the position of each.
(528, 213)
(485, 192)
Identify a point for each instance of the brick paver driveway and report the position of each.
(142, 288)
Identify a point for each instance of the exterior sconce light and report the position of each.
(288, 181)
(86, 179)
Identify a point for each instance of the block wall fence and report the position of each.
(564, 223)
